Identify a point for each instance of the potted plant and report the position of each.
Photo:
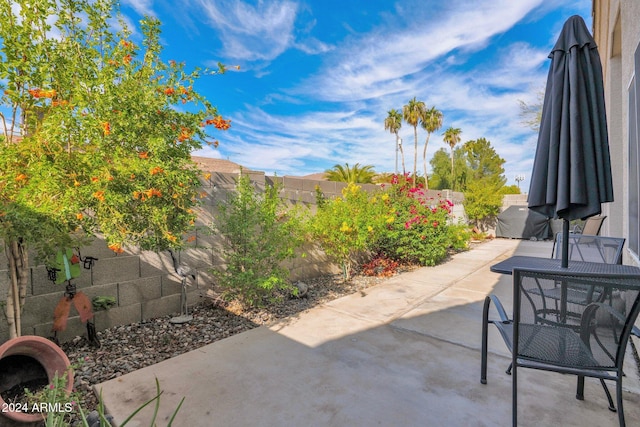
(48, 355)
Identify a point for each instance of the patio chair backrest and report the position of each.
(602, 249)
(593, 225)
(596, 343)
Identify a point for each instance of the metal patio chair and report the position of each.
(595, 347)
(599, 249)
(591, 225)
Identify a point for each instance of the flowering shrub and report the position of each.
(418, 228)
(347, 226)
(96, 135)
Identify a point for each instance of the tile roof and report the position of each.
(208, 164)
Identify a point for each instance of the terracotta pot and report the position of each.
(47, 354)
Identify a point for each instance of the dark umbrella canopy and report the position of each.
(572, 171)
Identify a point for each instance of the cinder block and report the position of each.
(40, 283)
(196, 257)
(293, 183)
(39, 309)
(115, 316)
(224, 180)
(274, 180)
(256, 176)
(98, 248)
(139, 290)
(171, 284)
(327, 187)
(205, 278)
(154, 264)
(109, 290)
(161, 307)
(119, 269)
(307, 197)
(74, 328)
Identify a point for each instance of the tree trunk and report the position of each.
(415, 156)
(424, 162)
(19, 275)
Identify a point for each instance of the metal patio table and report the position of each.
(551, 265)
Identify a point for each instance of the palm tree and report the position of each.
(356, 174)
(413, 113)
(431, 122)
(452, 137)
(393, 123)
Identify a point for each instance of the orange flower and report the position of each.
(207, 176)
(156, 170)
(113, 62)
(169, 91)
(106, 126)
(115, 247)
(99, 195)
(171, 237)
(59, 103)
(79, 216)
(76, 183)
(95, 179)
(41, 93)
(184, 90)
(21, 177)
(143, 155)
(126, 59)
(191, 239)
(133, 176)
(219, 123)
(109, 178)
(126, 44)
(185, 134)
(153, 192)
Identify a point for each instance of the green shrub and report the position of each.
(258, 235)
(347, 226)
(418, 229)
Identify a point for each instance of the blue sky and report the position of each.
(318, 77)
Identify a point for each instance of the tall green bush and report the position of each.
(259, 234)
(347, 226)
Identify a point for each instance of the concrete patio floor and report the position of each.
(404, 353)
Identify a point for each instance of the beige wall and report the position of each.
(145, 284)
(616, 29)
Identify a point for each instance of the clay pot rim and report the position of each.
(45, 352)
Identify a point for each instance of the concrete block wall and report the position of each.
(144, 283)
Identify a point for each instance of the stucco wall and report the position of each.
(616, 30)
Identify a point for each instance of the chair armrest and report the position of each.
(500, 308)
(590, 312)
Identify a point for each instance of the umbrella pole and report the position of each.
(565, 243)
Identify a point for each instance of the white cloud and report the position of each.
(377, 63)
(143, 7)
(252, 33)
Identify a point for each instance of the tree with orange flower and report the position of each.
(91, 139)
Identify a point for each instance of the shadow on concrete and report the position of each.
(405, 354)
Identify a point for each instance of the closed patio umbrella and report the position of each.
(571, 174)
